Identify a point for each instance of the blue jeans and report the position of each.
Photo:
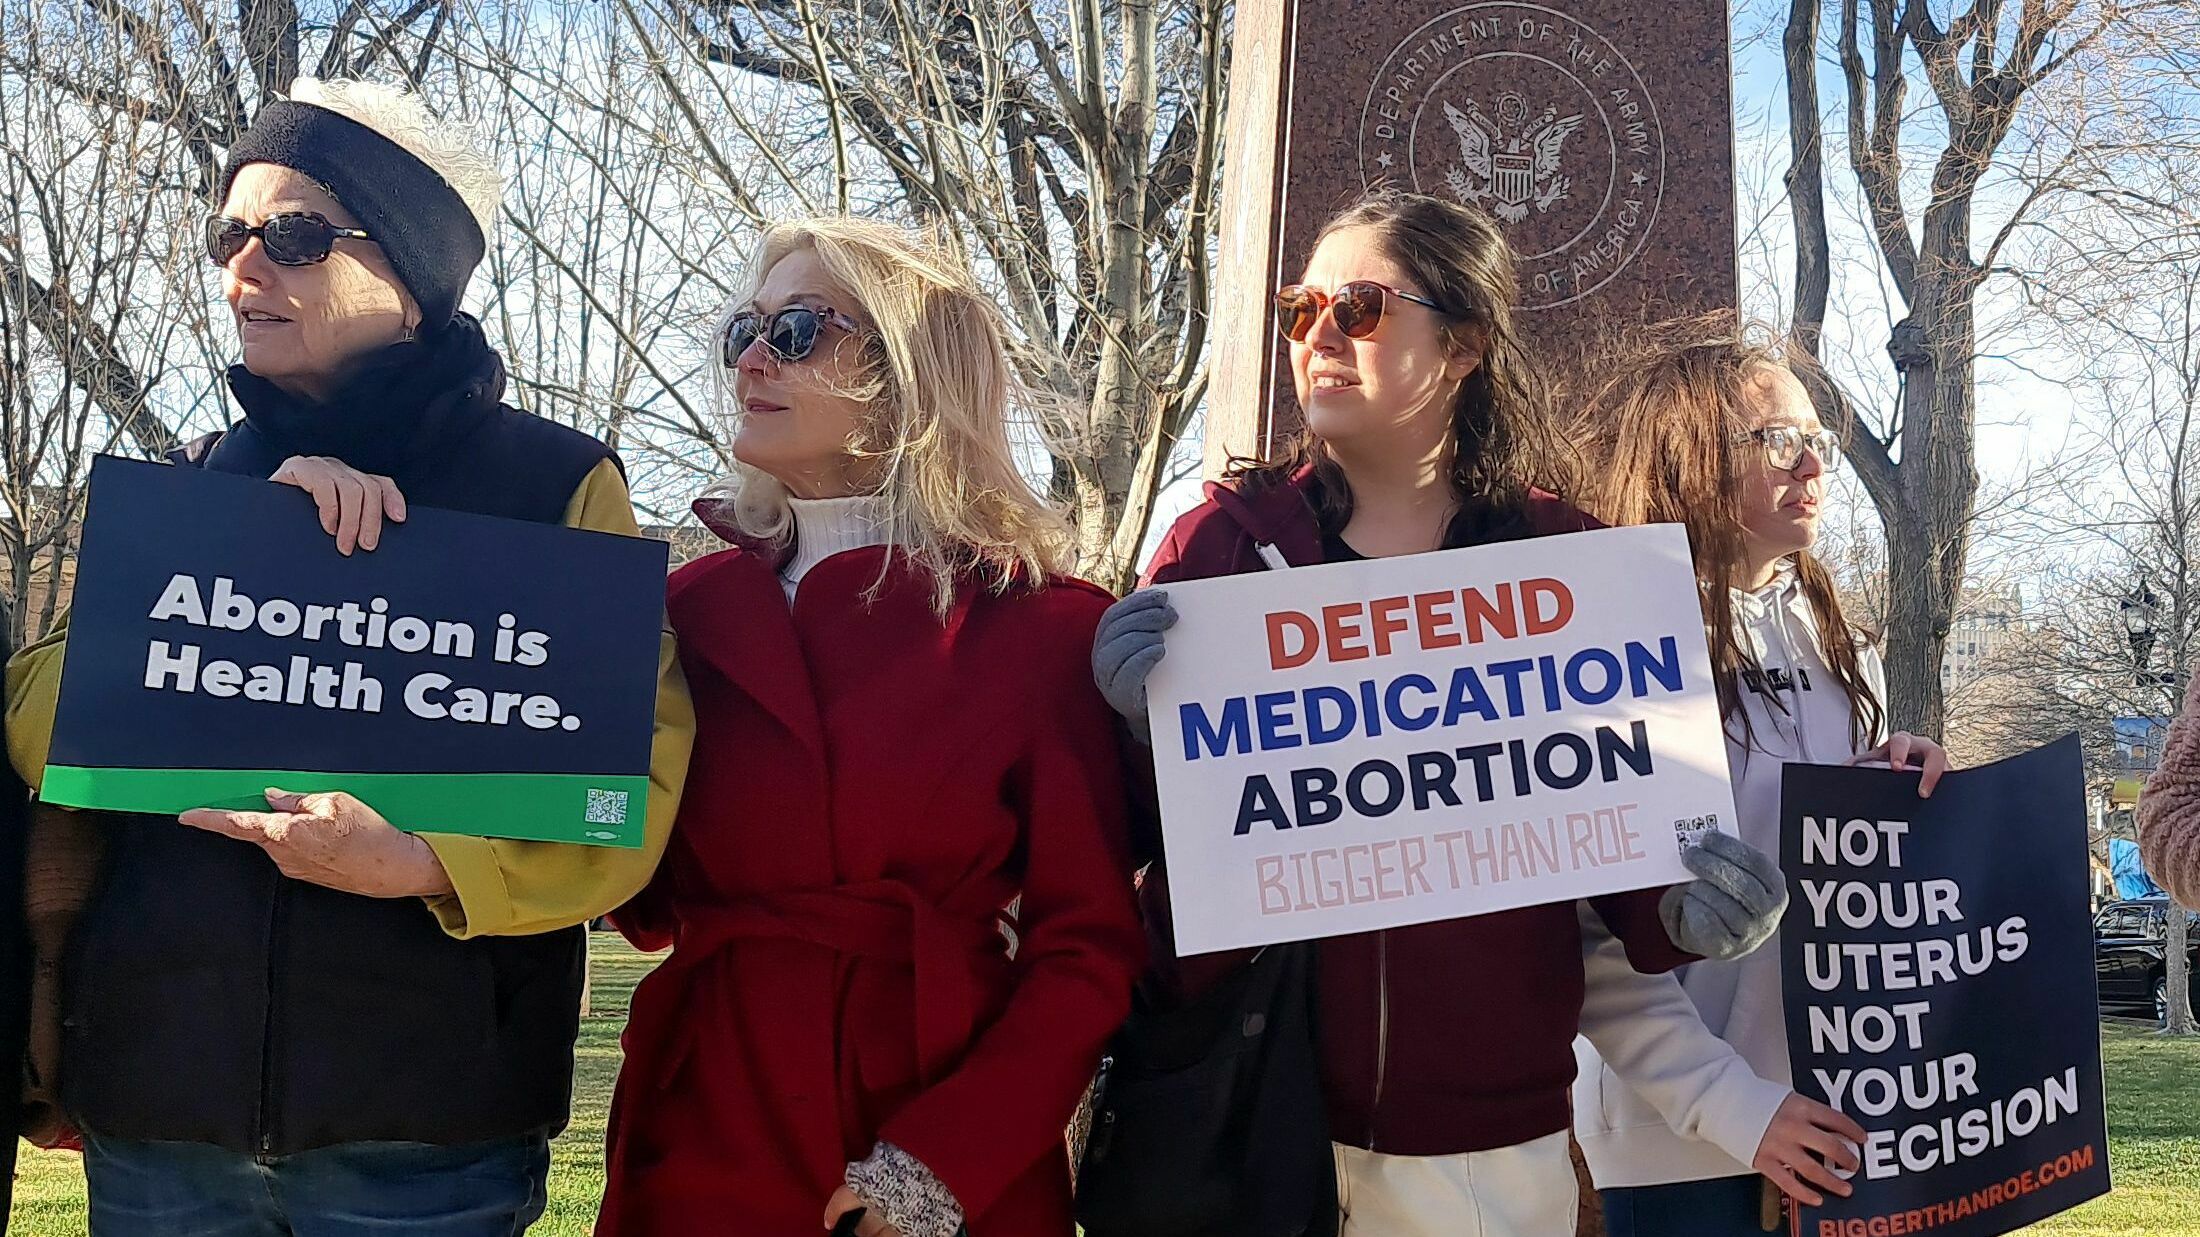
(369, 1189)
(1720, 1207)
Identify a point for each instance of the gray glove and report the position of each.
(1127, 648)
(1732, 906)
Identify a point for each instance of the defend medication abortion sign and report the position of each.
(472, 675)
(1938, 960)
(1370, 744)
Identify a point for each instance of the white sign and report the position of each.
(1366, 745)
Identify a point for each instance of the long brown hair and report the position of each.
(1663, 426)
(1504, 441)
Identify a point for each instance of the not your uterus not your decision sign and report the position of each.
(1937, 957)
(472, 675)
(1365, 745)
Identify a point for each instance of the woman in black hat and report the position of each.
(305, 1020)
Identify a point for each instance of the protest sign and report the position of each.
(1938, 962)
(472, 675)
(1370, 744)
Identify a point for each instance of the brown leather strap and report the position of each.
(1769, 1203)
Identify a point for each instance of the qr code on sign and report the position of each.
(1689, 830)
(606, 807)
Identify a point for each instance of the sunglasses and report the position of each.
(1785, 444)
(300, 238)
(790, 334)
(1357, 307)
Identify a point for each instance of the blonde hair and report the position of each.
(449, 147)
(941, 383)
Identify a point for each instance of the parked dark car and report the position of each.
(2130, 960)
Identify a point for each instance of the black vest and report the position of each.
(210, 999)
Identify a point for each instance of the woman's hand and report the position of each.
(1803, 1146)
(866, 1221)
(1733, 905)
(353, 504)
(1904, 750)
(1127, 648)
(333, 840)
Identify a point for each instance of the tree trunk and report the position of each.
(1123, 400)
(1917, 628)
(2178, 975)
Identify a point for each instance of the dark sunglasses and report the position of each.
(1358, 307)
(790, 334)
(300, 238)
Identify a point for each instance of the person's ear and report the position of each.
(1468, 346)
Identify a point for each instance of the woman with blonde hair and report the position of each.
(899, 898)
(1708, 422)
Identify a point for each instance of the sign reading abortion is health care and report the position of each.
(1371, 744)
(472, 675)
(1938, 960)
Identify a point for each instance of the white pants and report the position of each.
(1521, 1191)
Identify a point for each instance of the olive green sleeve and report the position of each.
(509, 888)
(33, 685)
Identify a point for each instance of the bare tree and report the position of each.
(1072, 151)
(113, 121)
(2002, 142)
(2123, 609)
(90, 323)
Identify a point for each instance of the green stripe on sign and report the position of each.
(533, 807)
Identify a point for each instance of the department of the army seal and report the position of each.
(1534, 117)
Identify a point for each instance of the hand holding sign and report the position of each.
(1804, 1145)
(352, 503)
(1732, 906)
(1904, 750)
(335, 841)
(1127, 647)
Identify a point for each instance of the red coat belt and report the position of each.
(886, 926)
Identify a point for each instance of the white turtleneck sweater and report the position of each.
(824, 527)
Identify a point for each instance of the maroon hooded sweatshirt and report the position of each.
(1436, 1039)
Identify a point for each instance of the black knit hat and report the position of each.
(421, 222)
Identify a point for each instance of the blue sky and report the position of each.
(2024, 410)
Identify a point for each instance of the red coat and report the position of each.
(871, 791)
(1438, 1038)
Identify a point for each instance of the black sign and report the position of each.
(1937, 959)
(472, 675)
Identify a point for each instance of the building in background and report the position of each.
(1989, 619)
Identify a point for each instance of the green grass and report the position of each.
(2153, 1122)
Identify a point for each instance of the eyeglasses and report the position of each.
(299, 238)
(1357, 307)
(790, 334)
(1785, 444)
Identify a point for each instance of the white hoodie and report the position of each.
(1681, 1074)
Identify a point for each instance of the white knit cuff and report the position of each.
(898, 1186)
